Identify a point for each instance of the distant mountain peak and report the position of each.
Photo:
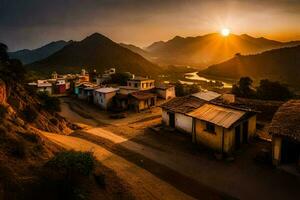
(96, 36)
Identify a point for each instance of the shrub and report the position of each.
(52, 104)
(270, 90)
(73, 162)
(184, 89)
(29, 114)
(67, 169)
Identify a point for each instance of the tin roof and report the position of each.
(218, 115)
(107, 90)
(207, 95)
(140, 95)
(183, 104)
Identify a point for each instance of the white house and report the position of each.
(174, 112)
(44, 86)
(104, 96)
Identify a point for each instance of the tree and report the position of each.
(270, 90)
(184, 89)
(10, 68)
(244, 88)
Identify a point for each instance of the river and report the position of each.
(194, 77)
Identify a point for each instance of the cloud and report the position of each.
(30, 23)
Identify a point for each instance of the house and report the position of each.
(174, 112)
(141, 100)
(141, 83)
(285, 131)
(85, 90)
(165, 91)
(222, 127)
(44, 86)
(60, 86)
(104, 96)
(136, 101)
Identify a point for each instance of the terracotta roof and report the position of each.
(218, 115)
(142, 95)
(183, 105)
(286, 121)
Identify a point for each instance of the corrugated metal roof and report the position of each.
(218, 115)
(107, 90)
(206, 95)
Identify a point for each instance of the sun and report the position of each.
(225, 32)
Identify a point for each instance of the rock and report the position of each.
(2, 92)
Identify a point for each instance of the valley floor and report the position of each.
(165, 164)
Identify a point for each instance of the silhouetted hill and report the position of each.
(29, 56)
(95, 52)
(202, 51)
(278, 64)
(139, 51)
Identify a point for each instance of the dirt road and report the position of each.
(242, 179)
(144, 185)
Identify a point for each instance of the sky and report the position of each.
(33, 23)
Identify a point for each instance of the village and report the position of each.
(194, 136)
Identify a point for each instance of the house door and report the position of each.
(290, 151)
(152, 102)
(172, 120)
(237, 136)
(245, 132)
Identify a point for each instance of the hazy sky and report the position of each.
(31, 23)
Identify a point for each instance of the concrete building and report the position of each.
(139, 101)
(221, 127)
(165, 91)
(44, 86)
(103, 97)
(85, 90)
(285, 131)
(141, 83)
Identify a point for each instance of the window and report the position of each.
(129, 84)
(210, 127)
(136, 85)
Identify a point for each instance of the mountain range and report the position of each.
(278, 64)
(95, 52)
(203, 51)
(27, 56)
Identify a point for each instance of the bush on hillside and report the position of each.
(67, 170)
(51, 104)
(269, 90)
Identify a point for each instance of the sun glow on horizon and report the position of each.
(225, 32)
